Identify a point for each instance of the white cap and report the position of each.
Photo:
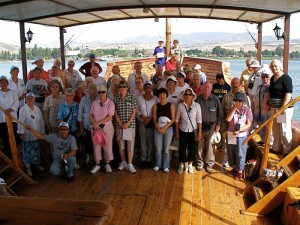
(197, 66)
(29, 94)
(63, 124)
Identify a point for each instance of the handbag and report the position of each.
(271, 175)
(195, 131)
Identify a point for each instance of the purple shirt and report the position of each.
(240, 117)
(100, 112)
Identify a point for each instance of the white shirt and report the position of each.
(256, 80)
(174, 98)
(99, 81)
(8, 100)
(145, 106)
(34, 119)
(183, 88)
(195, 114)
(131, 81)
(73, 78)
(19, 87)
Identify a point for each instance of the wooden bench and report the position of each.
(23, 210)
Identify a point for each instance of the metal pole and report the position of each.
(62, 48)
(23, 51)
(286, 48)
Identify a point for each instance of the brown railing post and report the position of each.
(12, 141)
(264, 160)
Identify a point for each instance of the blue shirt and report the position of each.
(84, 111)
(63, 113)
(161, 61)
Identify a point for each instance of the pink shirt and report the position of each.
(241, 118)
(100, 112)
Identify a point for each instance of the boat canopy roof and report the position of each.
(66, 13)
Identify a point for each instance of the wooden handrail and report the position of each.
(271, 118)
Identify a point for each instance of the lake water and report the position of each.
(236, 67)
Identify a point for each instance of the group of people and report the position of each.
(143, 114)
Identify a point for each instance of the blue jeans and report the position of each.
(237, 153)
(162, 144)
(58, 168)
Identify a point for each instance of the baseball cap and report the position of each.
(63, 124)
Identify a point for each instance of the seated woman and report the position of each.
(240, 120)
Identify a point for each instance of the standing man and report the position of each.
(221, 87)
(245, 75)
(212, 115)
(160, 54)
(116, 72)
(138, 72)
(96, 78)
(254, 82)
(64, 150)
(177, 50)
(85, 69)
(198, 68)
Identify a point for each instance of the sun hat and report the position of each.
(188, 68)
(197, 66)
(30, 94)
(255, 64)
(239, 96)
(35, 59)
(215, 138)
(98, 137)
(147, 82)
(172, 78)
(163, 120)
(63, 124)
(194, 95)
(54, 82)
(13, 68)
(3, 78)
(266, 71)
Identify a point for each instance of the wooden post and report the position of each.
(264, 160)
(259, 41)
(168, 36)
(286, 48)
(12, 141)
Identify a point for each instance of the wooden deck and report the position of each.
(155, 197)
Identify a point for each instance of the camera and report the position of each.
(237, 127)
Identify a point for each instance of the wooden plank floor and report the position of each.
(155, 197)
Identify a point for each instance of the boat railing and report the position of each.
(269, 124)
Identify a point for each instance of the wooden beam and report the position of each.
(168, 36)
(12, 141)
(286, 48)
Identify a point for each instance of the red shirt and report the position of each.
(170, 66)
(44, 76)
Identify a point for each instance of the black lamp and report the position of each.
(29, 35)
(277, 32)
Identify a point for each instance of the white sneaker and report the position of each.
(107, 168)
(156, 168)
(226, 164)
(131, 168)
(28, 171)
(190, 168)
(76, 167)
(166, 170)
(122, 165)
(95, 169)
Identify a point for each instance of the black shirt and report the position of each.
(220, 90)
(282, 86)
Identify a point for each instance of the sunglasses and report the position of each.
(101, 92)
(180, 76)
(122, 86)
(186, 94)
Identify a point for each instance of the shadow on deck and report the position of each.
(155, 197)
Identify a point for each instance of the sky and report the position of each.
(118, 30)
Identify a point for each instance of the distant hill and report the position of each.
(204, 40)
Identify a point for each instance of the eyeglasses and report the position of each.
(180, 76)
(101, 92)
(122, 86)
(71, 64)
(187, 94)
(69, 95)
(147, 87)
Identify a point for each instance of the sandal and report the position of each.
(239, 176)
